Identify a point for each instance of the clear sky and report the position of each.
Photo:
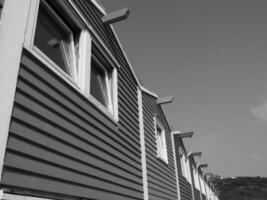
(212, 56)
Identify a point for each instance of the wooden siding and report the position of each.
(62, 144)
(197, 194)
(184, 185)
(160, 176)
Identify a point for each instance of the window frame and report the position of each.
(73, 68)
(202, 184)
(71, 78)
(185, 166)
(111, 86)
(81, 72)
(163, 153)
(196, 179)
(189, 174)
(207, 190)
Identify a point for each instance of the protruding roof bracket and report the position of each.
(202, 166)
(165, 100)
(184, 135)
(193, 154)
(116, 16)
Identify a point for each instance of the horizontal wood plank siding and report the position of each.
(160, 176)
(184, 185)
(61, 143)
(197, 194)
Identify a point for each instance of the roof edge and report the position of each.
(125, 55)
(99, 6)
(148, 91)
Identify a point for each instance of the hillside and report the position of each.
(241, 188)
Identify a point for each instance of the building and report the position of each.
(76, 123)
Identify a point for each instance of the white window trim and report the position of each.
(183, 164)
(109, 86)
(112, 96)
(29, 45)
(207, 190)
(71, 69)
(163, 156)
(8, 196)
(196, 179)
(80, 79)
(189, 175)
(203, 190)
(185, 167)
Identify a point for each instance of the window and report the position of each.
(55, 39)
(161, 141)
(64, 42)
(207, 190)
(185, 166)
(189, 178)
(196, 179)
(202, 185)
(101, 84)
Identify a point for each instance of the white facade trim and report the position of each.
(1, 194)
(20, 197)
(176, 168)
(142, 143)
(12, 33)
(200, 187)
(192, 178)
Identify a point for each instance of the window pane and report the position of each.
(161, 143)
(98, 87)
(158, 130)
(51, 39)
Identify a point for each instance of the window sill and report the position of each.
(100, 107)
(190, 182)
(52, 66)
(162, 160)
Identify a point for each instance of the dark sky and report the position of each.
(212, 56)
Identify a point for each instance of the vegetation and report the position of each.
(241, 188)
